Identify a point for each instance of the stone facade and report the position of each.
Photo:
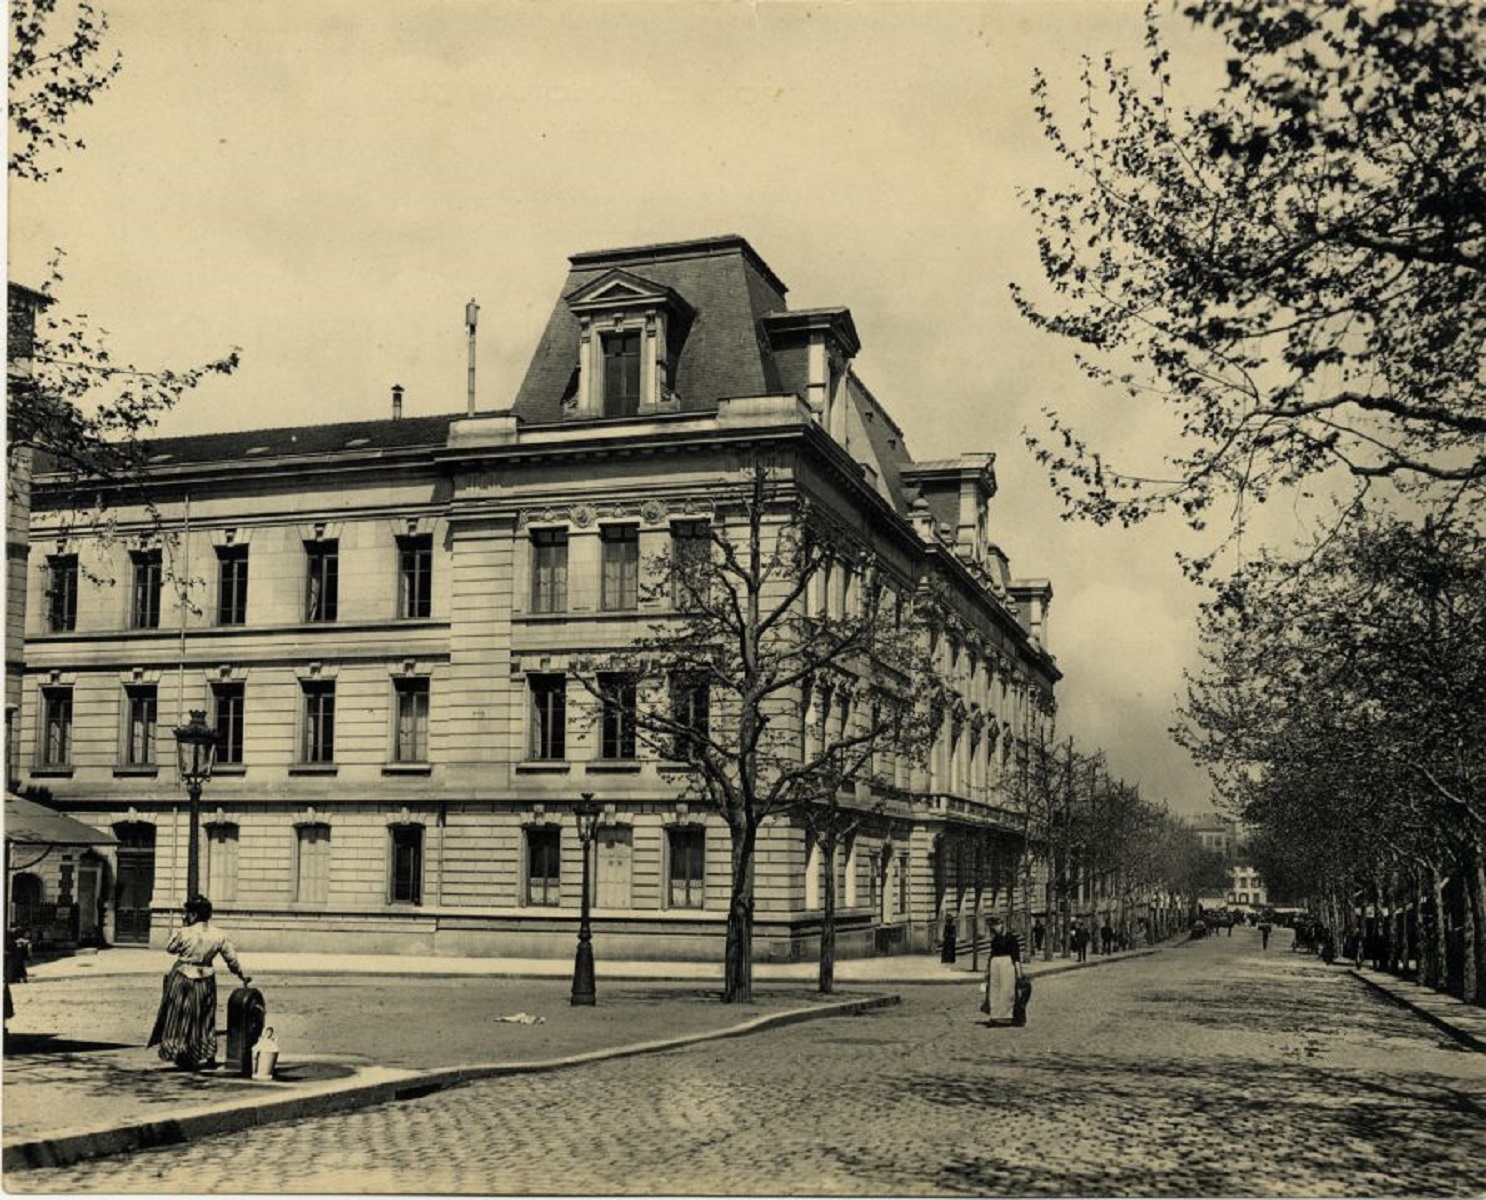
(370, 614)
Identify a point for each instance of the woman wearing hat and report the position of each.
(186, 1025)
(1002, 971)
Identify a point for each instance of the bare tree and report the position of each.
(785, 668)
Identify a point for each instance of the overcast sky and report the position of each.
(324, 183)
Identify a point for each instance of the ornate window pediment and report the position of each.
(619, 290)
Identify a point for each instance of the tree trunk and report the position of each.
(1050, 934)
(737, 987)
(1475, 925)
(1437, 976)
(827, 983)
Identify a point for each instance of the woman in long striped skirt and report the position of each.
(186, 1025)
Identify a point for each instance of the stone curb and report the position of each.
(1402, 999)
(1056, 966)
(68, 1148)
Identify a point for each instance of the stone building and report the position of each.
(1246, 890)
(381, 620)
(22, 306)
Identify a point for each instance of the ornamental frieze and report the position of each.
(585, 514)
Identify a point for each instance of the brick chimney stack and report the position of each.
(397, 402)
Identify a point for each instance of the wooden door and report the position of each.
(135, 886)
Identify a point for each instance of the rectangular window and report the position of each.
(690, 709)
(232, 585)
(549, 570)
(549, 694)
(56, 736)
(543, 864)
(61, 593)
(142, 705)
(229, 700)
(406, 884)
(312, 864)
(618, 692)
(621, 374)
(410, 741)
(621, 582)
(415, 577)
(319, 721)
(322, 587)
(691, 549)
(144, 600)
(221, 861)
(687, 845)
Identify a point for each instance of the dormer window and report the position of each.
(631, 331)
(621, 373)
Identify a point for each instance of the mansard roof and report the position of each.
(723, 279)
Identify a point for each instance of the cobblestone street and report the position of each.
(1212, 1069)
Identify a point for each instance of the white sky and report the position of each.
(324, 183)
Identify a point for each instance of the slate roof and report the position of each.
(291, 441)
(725, 354)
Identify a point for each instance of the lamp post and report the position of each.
(196, 754)
(586, 814)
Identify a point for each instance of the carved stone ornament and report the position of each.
(584, 516)
(544, 515)
(653, 512)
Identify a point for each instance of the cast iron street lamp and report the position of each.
(196, 753)
(587, 816)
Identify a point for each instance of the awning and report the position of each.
(28, 823)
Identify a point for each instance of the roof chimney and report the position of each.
(397, 402)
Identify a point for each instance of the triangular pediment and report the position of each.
(618, 289)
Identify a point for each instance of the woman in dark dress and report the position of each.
(1002, 972)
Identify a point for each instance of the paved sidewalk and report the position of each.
(1466, 1023)
(367, 1029)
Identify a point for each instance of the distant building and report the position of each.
(381, 620)
(1246, 889)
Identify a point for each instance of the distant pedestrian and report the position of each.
(1230, 924)
(1081, 942)
(1264, 928)
(1002, 972)
(186, 1025)
(1106, 937)
(1039, 935)
(17, 950)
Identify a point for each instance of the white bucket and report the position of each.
(265, 1056)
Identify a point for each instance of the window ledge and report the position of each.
(537, 767)
(51, 772)
(229, 769)
(613, 766)
(141, 770)
(407, 768)
(313, 768)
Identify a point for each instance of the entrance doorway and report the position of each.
(89, 896)
(135, 886)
